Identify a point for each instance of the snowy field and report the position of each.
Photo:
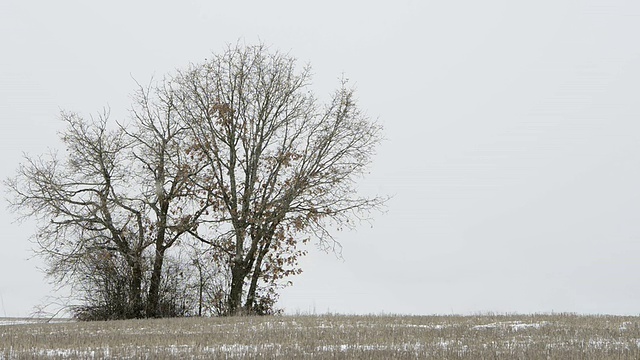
(328, 337)
(22, 321)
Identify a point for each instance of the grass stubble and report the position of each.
(550, 336)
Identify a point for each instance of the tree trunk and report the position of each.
(200, 289)
(136, 288)
(238, 274)
(257, 269)
(153, 299)
(251, 295)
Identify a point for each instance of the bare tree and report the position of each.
(164, 177)
(82, 211)
(235, 152)
(112, 208)
(280, 167)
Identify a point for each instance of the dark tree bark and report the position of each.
(154, 285)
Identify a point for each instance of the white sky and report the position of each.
(512, 152)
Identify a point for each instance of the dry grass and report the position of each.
(331, 337)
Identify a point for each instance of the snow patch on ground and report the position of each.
(512, 325)
(372, 347)
(23, 321)
(626, 325)
(425, 326)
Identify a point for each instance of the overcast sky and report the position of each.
(512, 151)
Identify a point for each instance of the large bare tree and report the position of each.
(235, 152)
(281, 167)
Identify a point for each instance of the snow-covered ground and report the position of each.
(472, 337)
(513, 325)
(21, 321)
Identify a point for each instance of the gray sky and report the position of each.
(512, 152)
